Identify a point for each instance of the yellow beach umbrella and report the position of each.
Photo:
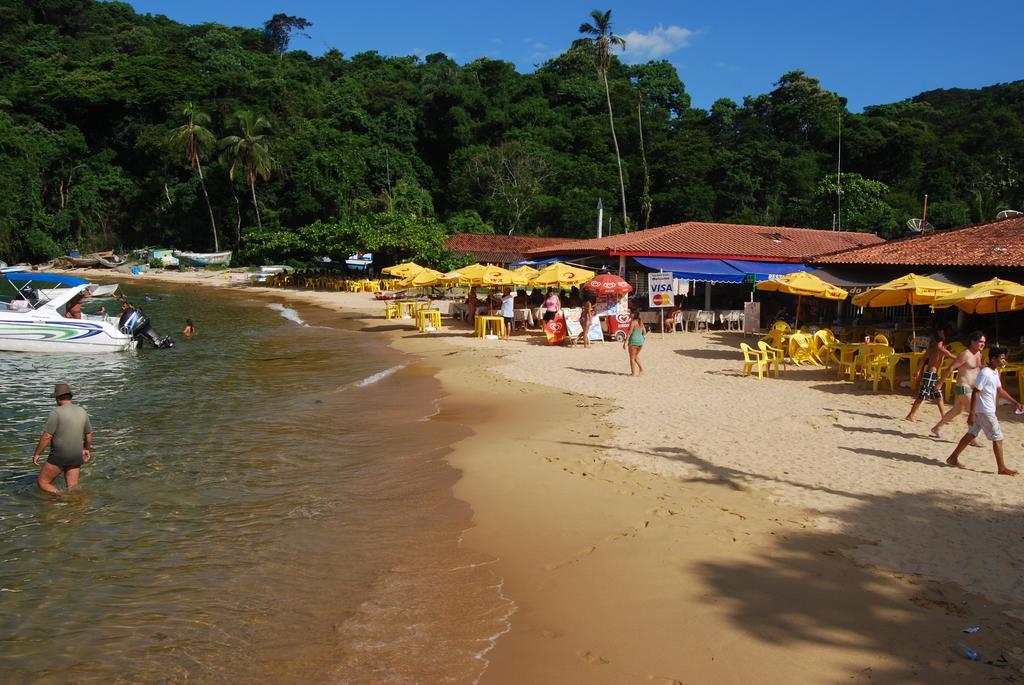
(559, 275)
(403, 270)
(988, 297)
(526, 270)
(424, 278)
(910, 289)
(803, 284)
(484, 275)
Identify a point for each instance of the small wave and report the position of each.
(288, 313)
(380, 375)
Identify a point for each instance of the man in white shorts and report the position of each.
(966, 365)
(982, 416)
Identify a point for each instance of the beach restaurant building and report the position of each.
(962, 256)
(722, 258)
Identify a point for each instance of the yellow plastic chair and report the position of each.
(883, 367)
(948, 385)
(753, 358)
(782, 326)
(956, 347)
(800, 350)
(774, 355)
(823, 346)
(881, 340)
(872, 356)
(391, 310)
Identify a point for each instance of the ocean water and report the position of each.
(268, 502)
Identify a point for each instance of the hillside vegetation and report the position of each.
(120, 129)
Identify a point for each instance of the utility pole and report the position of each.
(600, 216)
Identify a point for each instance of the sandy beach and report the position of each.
(695, 525)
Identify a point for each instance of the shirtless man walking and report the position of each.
(69, 434)
(967, 365)
(929, 372)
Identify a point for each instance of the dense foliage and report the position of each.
(118, 129)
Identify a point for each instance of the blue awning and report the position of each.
(55, 279)
(765, 270)
(719, 270)
(711, 270)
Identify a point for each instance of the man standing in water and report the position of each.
(967, 365)
(982, 417)
(68, 432)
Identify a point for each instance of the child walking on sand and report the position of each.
(982, 416)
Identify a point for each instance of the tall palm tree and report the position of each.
(601, 37)
(248, 153)
(646, 203)
(191, 140)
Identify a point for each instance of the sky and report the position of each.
(870, 52)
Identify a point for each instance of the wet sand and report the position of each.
(694, 525)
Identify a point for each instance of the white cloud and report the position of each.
(658, 42)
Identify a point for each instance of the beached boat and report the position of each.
(29, 324)
(8, 269)
(110, 262)
(204, 258)
(81, 262)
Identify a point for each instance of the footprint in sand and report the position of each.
(591, 658)
(664, 680)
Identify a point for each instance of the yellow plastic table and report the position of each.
(407, 308)
(494, 324)
(428, 318)
(391, 310)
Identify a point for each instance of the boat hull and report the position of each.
(204, 258)
(25, 333)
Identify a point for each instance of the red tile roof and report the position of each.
(498, 248)
(699, 239)
(999, 244)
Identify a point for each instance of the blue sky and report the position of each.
(870, 52)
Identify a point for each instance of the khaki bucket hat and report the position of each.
(61, 389)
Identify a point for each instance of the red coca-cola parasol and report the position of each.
(608, 284)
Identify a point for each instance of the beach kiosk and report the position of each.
(612, 304)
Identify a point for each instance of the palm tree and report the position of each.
(603, 40)
(646, 204)
(191, 140)
(248, 153)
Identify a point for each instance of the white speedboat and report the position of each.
(47, 294)
(28, 324)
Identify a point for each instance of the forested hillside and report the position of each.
(118, 129)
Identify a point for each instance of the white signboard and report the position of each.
(751, 317)
(659, 289)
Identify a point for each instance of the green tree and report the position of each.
(192, 140)
(603, 40)
(279, 28)
(248, 153)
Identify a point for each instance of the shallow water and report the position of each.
(268, 502)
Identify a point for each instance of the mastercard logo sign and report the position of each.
(661, 299)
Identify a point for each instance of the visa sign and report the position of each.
(659, 289)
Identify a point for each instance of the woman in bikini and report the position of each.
(635, 342)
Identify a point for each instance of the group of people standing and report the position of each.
(976, 391)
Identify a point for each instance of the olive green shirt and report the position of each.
(68, 424)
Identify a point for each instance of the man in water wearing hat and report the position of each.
(68, 432)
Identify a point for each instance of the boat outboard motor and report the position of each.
(136, 324)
